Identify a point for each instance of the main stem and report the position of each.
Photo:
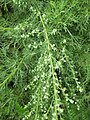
(51, 63)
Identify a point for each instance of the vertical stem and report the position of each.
(51, 64)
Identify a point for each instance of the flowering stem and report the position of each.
(51, 64)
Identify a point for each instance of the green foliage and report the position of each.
(44, 60)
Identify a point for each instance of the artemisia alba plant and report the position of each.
(42, 76)
(54, 84)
